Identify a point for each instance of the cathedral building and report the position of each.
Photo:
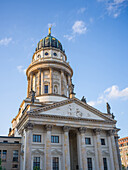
(55, 130)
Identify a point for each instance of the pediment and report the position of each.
(37, 152)
(74, 109)
(56, 152)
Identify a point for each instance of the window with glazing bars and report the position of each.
(36, 138)
(55, 163)
(88, 141)
(15, 155)
(36, 163)
(54, 139)
(89, 162)
(45, 88)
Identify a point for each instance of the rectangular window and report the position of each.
(45, 88)
(89, 163)
(54, 139)
(102, 141)
(15, 156)
(105, 163)
(55, 163)
(36, 138)
(4, 156)
(0, 154)
(88, 141)
(36, 163)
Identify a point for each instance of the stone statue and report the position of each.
(113, 116)
(72, 88)
(108, 108)
(83, 99)
(32, 95)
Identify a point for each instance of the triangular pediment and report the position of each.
(75, 109)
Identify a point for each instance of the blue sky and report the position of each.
(94, 35)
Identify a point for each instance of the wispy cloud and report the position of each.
(78, 27)
(21, 69)
(111, 93)
(81, 10)
(114, 7)
(52, 24)
(5, 41)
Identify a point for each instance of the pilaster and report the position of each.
(31, 81)
(39, 82)
(62, 82)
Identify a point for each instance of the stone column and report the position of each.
(69, 82)
(28, 146)
(28, 89)
(82, 157)
(51, 80)
(115, 157)
(118, 152)
(62, 82)
(66, 151)
(110, 151)
(31, 81)
(98, 149)
(39, 82)
(42, 82)
(48, 147)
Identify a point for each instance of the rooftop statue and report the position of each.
(108, 108)
(83, 99)
(32, 95)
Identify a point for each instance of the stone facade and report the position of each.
(57, 130)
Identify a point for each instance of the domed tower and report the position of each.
(49, 74)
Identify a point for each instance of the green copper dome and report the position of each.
(49, 41)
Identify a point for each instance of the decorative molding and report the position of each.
(97, 131)
(48, 127)
(28, 126)
(90, 152)
(105, 152)
(37, 152)
(111, 132)
(66, 128)
(56, 152)
(82, 129)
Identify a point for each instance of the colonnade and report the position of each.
(81, 149)
(40, 82)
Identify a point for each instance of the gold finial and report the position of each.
(49, 30)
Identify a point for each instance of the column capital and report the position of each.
(111, 132)
(97, 131)
(28, 126)
(82, 129)
(48, 127)
(66, 128)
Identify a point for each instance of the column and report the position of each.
(28, 146)
(31, 81)
(28, 89)
(115, 158)
(51, 80)
(66, 151)
(48, 147)
(82, 157)
(62, 82)
(118, 152)
(69, 82)
(42, 82)
(110, 151)
(39, 82)
(98, 150)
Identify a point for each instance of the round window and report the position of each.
(46, 53)
(54, 54)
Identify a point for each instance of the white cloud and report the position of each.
(5, 41)
(110, 93)
(81, 10)
(114, 7)
(78, 27)
(21, 69)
